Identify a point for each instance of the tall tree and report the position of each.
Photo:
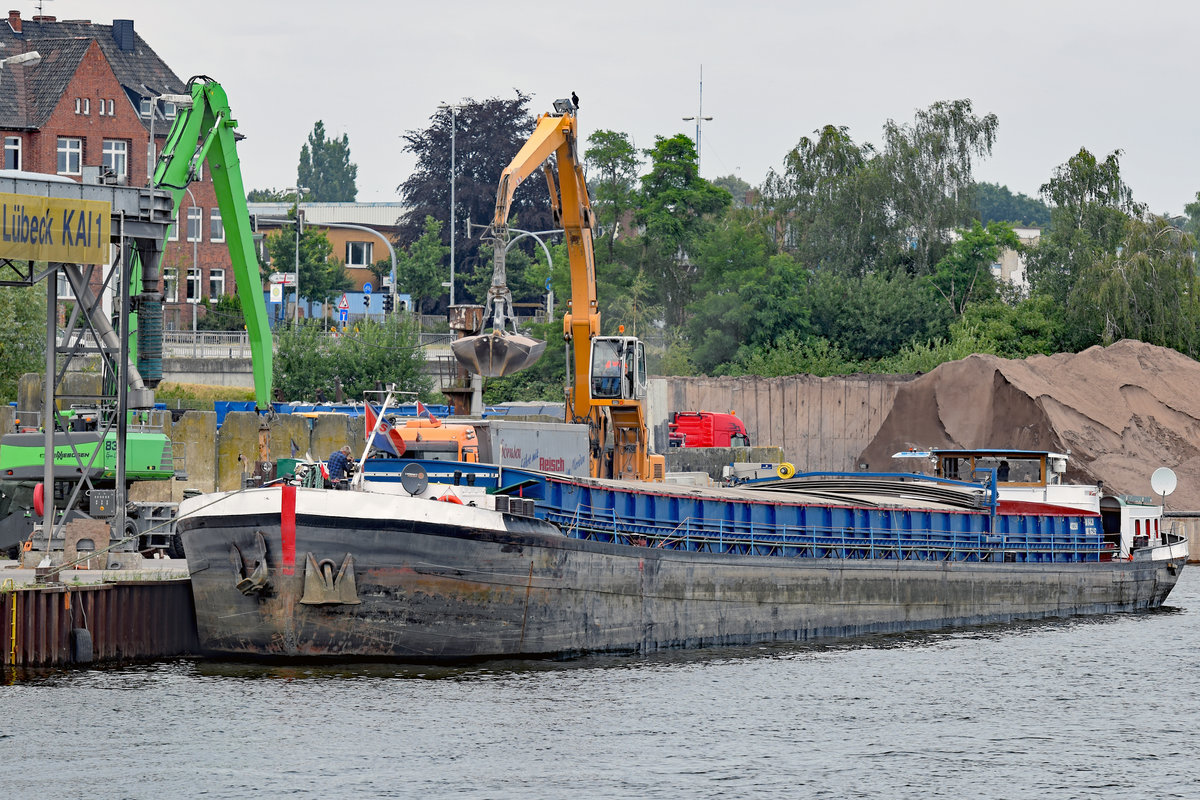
(1090, 206)
(1145, 288)
(322, 278)
(325, 168)
(829, 204)
(487, 134)
(995, 203)
(929, 163)
(964, 274)
(615, 161)
(676, 208)
(22, 336)
(419, 265)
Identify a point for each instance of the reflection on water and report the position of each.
(1089, 707)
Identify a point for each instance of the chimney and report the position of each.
(123, 34)
(14, 21)
(44, 18)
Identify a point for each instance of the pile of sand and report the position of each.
(1120, 412)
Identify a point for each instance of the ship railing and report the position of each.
(698, 534)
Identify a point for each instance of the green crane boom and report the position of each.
(207, 131)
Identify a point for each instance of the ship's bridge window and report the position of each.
(1010, 469)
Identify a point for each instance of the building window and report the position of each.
(111, 108)
(195, 218)
(173, 236)
(216, 228)
(358, 254)
(70, 156)
(144, 108)
(116, 157)
(83, 105)
(216, 284)
(170, 285)
(168, 109)
(193, 285)
(12, 152)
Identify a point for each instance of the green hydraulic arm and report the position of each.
(207, 131)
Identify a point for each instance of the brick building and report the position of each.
(89, 108)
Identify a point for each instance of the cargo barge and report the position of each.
(445, 561)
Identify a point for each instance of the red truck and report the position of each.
(706, 429)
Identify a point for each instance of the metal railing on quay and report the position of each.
(206, 344)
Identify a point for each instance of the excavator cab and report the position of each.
(618, 370)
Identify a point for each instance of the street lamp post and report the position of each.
(453, 109)
(700, 118)
(299, 190)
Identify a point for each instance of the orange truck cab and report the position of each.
(442, 441)
(707, 429)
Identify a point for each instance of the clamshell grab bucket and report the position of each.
(497, 354)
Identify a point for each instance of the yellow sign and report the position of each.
(54, 229)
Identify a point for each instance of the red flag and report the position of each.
(423, 411)
(382, 435)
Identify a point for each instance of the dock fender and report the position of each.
(81, 646)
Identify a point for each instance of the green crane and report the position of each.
(207, 132)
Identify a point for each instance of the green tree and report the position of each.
(615, 160)
(1019, 330)
(309, 359)
(269, 196)
(1090, 206)
(1146, 289)
(738, 189)
(995, 203)
(486, 134)
(420, 266)
(964, 275)
(325, 168)
(223, 315)
(829, 204)
(874, 316)
(322, 278)
(677, 205)
(929, 163)
(22, 336)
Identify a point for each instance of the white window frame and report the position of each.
(216, 226)
(12, 144)
(112, 108)
(216, 284)
(116, 156)
(146, 107)
(168, 109)
(195, 224)
(173, 236)
(65, 153)
(367, 251)
(170, 285)
(194, 279)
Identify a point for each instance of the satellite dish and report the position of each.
(1163, 481)
(414, 479)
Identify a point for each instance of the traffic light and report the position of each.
(388, 303)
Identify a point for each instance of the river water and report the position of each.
(1103, 707)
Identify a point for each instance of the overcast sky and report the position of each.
(1059, 75)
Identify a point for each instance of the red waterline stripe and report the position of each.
(287, 530)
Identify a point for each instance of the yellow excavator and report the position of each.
(606, 375)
